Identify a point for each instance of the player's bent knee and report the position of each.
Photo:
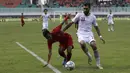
(83, 46)
(82, 42)
(69, 49)
(44, 32)
(60, 50)
(93, 45)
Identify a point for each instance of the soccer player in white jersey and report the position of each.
(110, 21)
(85, 34)
(45, 17)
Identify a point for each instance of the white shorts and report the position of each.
(87, 38)
(44, 25)
(110, 22)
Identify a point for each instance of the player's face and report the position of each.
(86, 10)
(45, 11)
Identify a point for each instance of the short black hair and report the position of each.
(45, 10)
(45, 32)
(87, 4)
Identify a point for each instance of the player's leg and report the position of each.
(82, 43)
(44, 25)
(62, 53)
(85, 50)
(96, 54)
(92, 43)
(112, 25)
(22, 22)
(44, 32)
(109, 26)
(69, 52)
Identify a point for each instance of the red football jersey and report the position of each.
(64, 39)
(22, 21)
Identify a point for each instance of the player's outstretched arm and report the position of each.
(40, 18)
(98, 31)
(49, 57)
(99, 34)
(67, 26)
(66, 18)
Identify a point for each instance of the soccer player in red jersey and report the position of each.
(22, 20)
(64, 39)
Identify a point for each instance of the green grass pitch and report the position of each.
(115, 54)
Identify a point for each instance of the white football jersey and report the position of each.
(45, 20)
(110, 17)
(45, 17)
(85, 23)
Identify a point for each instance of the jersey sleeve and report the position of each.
(112, 15)
(76, 18)
(57, 29)
(42, 14)
(108, 16)
(94, 21)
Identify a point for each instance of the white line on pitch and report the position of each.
(38, 58)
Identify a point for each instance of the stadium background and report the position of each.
(55, 7)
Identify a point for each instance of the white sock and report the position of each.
(97, 61)
(97, 57)
(112, 27)
(89, 55)
(109, 28)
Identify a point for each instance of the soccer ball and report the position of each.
(70, 65)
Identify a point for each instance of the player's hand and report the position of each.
(62, 31)
(101, 38)
(69, 15)
(45, 65)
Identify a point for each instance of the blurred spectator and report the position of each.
(76, 3)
